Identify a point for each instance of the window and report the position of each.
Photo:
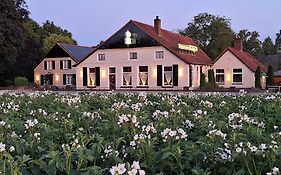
(92, 76)
(237, 75)
(159, 54)
(69, 80)
(220, 75)
(101, 57)
(112, 70)
(143, 75)
(133, 55)
(127, 76)
(168, 75)
(65, 64)
(49, 65)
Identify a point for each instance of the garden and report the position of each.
(139, 133)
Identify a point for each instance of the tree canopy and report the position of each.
(23, 41)
(212, 33)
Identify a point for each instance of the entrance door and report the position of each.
(112, 82)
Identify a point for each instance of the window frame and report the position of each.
(130, 74)
(157, 56)
(101, 57)
(93, 84)
(235, 74)
(133, 55)
(220, 74)
(140, 83)
(170, 71)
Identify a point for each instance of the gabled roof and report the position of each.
(78, 53)
(170, 41)
(251, 62)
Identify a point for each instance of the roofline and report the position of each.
(72, 56)
(135, 22)
(228, 49)
(50, 50)
(100, 45)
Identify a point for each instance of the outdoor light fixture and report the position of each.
(37, 77)
(81, 74)
(155, 72)
(228, 77)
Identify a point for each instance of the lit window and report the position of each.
(133, 55)
(220, 75)
(127, 76)
(143, 75)
(92, 76)
(101, 57)
(159, 54)
(168, 76)
(237, 75)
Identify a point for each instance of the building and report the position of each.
(236, 68)
(143, 57)
(57, 69)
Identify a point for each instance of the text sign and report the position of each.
(188, 47)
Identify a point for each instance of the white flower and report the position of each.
(275, 170)
(121, 168)
(253, 148)
(133, 172)
(238, 150)
(141, 172)
(2, 147)
(136, 165)
(2, 123)
(12, 149)
(113, 170)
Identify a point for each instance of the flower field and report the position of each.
(139, 133)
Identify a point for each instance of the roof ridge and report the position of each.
(75, 45)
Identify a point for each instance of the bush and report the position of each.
(202, 80)
(21, 81)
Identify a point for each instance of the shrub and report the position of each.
(202, 80)
(270, 76)
(211, 77)
(258, 77)
(21, 81)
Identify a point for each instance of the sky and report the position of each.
(91, 21)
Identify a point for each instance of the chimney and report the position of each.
(238, 44)
(157, 25)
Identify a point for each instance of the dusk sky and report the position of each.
(91, 21)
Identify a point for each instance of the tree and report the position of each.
(278, 41)
(251, 42)
(12, 14)
(270, 76)
(211, 77)
(258, 77)
(202, 80)
(212, 33)
(50, 41)
(268, 46)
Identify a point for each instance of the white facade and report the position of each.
(146, 56)
(231, 66)
(57, 71)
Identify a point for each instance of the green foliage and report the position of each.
(21, 81)
(258, 77)
(53, 39)
(251, 42)
(270, 76)
(202, 80)
(268, 46)
(212, 33)
(211, 77)
(88, 133)
(11, 33)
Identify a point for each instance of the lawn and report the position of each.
(139, 133)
